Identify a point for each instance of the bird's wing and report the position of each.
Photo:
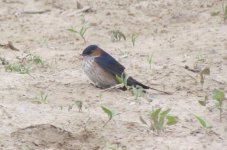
(109, 64)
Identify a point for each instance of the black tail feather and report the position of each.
(133, 82)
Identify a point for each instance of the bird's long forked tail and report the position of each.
(133, 82)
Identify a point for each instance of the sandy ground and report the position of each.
(177, 33)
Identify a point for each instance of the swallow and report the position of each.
(102, 69)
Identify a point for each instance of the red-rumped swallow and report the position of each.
(102, 69)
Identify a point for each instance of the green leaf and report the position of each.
(119, 79)
(171, 120)
(218, 95)
(72, 30)
(155, 115)
(201, 121)
(108, 112)
(162, 117)
(203, 103)
(205, 71)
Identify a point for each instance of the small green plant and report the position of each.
(79, 105)
(117, 35)
(204, 102)
(203, 123)
(109, 113)
(42, 99)
(203, 73)
(36, 59)
(137, 91)
(17, 68)
(133, 38)
(122, 80)
(159, 120)
(219, 97)
(200, 57)
(124, 54)
(81, 31)
(150, 59)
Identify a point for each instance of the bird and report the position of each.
(102, 69)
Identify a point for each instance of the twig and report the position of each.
(190, 69)
(113, 87)
(85, 9)
(9, 45)
(35, 12)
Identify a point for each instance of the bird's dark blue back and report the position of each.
(108, 63)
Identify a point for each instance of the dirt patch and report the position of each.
(50, 137)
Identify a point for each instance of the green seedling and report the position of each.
(215, 13)
(124, 54)
(150, 59)
(117, 35)
(17, 68)
(133, 38)
(203, 73)
(79, 105)
(81, 31)
(204, 102)
(42, 99)
(200, 57)
(109, 113)
(159, 120)
(35, 59)
(137, 91)
(219, 97)
(203, 123)
(122, 80)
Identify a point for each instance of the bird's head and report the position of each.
(92, 50)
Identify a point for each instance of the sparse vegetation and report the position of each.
(133, 38)
(203, 73)
(117, 35)
(203, 123)
(81, 31)
(78, 104)
(17, 68)
(159, 120)
(137, 91)
(150, 59)
(124, 54)
(219, 96)
(204, 102)
(42, 99)
(109, 113)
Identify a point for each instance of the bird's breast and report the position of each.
(97, 74)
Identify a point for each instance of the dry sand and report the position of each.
(177, 33)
